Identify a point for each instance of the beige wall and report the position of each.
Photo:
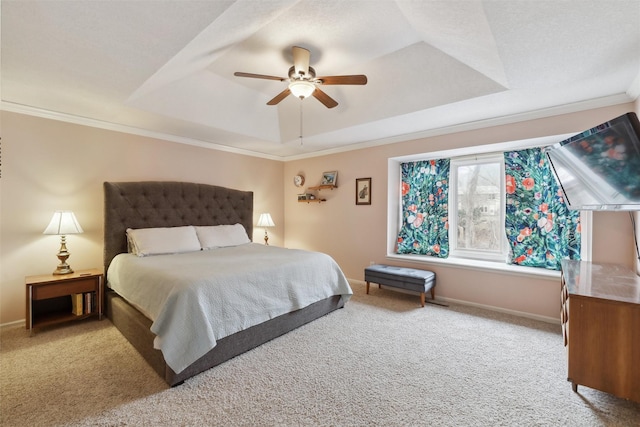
(49, 165)
(355, 235)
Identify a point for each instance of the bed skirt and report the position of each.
(136, 328)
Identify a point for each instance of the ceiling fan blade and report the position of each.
(324, 98)
(301, 57)
(258, 76)
(358, 79)
(279, 97)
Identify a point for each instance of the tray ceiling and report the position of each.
(166, 68)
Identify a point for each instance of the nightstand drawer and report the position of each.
(70, 287)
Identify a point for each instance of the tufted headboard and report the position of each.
(169, 204)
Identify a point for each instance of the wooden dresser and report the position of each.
(601, 327)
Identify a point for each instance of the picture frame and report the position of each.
(329, 178)
(363, 191)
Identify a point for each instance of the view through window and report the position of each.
(478, 200)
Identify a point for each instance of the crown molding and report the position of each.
(590, 104)
(608, 101)
(100, 124)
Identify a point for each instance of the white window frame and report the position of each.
(454, 251)
(394, 208)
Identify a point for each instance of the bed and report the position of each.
(142, 205)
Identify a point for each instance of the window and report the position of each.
(476, 208)
(477, 234)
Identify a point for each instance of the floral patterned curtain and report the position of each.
(425, 216)
(540, 228)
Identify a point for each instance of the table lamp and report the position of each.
(63, 223)
(265, 221)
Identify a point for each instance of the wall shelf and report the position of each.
(312, 201)
(317, 188)
(323, 187)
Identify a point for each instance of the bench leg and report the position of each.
(367, 288)
(422, 299)
(433, 292)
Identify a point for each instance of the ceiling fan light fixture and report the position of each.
(302, 80)
(302, 88)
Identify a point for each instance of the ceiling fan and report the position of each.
(303, 81)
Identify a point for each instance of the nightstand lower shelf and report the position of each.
(54, 318)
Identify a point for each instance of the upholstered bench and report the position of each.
(400, 277)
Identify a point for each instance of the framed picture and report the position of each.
(363, 191)
(329, 178)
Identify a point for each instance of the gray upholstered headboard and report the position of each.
(169, 204)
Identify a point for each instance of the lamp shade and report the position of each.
(265, 220)
(302, 88)
(63, 222)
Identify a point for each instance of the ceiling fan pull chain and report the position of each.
(301, 121)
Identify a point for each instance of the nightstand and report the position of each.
(55, 299)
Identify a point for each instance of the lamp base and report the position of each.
(266, 238)
(63, 254)
(63, 269)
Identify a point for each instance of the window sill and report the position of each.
(472, 264)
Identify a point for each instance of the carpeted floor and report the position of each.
(382, 360)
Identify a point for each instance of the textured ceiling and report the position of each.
(165, 68)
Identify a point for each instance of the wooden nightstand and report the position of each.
(55, 299)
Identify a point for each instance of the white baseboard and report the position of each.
(473, 304)
(15, 322)
(442, 299)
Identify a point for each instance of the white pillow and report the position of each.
(219, 236)
(163, 240)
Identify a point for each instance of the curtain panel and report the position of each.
(425, 212)
(541, 230)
